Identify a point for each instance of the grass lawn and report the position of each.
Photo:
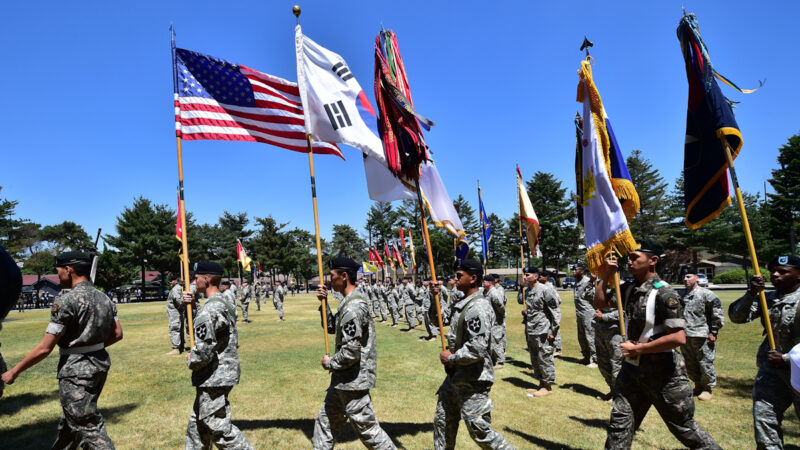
(148, 396)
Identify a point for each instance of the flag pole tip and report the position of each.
(586, 44)
(296, 11)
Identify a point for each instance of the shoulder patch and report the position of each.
(201, 331)
(659, 284)
(474, 325)
(350, 328)
(672, 302)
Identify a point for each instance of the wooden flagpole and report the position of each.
(430, 263)
(749, 238)
(181, 202)
(319, 244)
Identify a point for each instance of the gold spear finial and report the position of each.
(296, 11)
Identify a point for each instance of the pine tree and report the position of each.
(560, 235)
(783, 206)
(651, 187)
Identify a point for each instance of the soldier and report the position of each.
(409, 292)
(277, 299)
(772, 390)
(444, 299)
(259, 294)
(429, 307)
(83, 322)
(704, 317)
(464, 393)
(607, 344)
(541, 327)
(583, 294)
(497, 298)
(393, 298)
(381, 294)
(653, 373)
(227, 292)
(214, 362)
(246, 296)
(544, 280)
(420, 292)
(353, 367)
(175, 316)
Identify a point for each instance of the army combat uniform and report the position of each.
(259, 297)
(277, 299)
(557, 315)
(584, 316)
(541, 312)
(497, 298)
(409, 292)
(659, 379)
(214, 362)
(464, 394)
(353, 371)
(703, 313)
(247, 296)
(431, 317)
(84, 318)
(772, 390)
(176, 316)
(393, 297)
(607, 340)
(230, 297)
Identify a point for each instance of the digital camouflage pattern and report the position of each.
(607, 341)
(356, 406)
(541, 312)
(702, 312)
(82, 316)
(408, 292)
(210, 422)
(464, 393)
(246, 297)
(176, 317)
(277, 299)
(583, 293)
(393, 298)
(230, 297)
(659, 380)
(772, 389)
(497, 298)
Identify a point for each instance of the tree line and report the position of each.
(144, 234)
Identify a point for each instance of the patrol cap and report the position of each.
(207, 268)
(490, 277)
(343, 263)
(530, 269)
(73, 257)
(650, 246)
(785, 260)
(468, 265)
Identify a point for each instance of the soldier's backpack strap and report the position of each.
(461, 319)
(231, 309)
(354, 296)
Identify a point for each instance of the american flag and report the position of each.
(218, 100)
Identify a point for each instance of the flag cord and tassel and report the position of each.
(749, 237)
(484, 244)
(430, 263)
(319, 245)
(622, 331)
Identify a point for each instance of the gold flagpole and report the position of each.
(316, 233)
(749, 238)
(430, 263)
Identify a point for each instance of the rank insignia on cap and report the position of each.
(350, 328)
(474, 325)
(783, 260)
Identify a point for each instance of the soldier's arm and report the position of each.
(205, 341)
(552, 312)
(478, 343)
(715, 314)
(349, 352)
(612, 316)
(745, 309)
(116, 336)
(40, 352)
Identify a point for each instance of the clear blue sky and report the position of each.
(87, 116)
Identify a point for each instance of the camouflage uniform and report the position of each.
(660, 378)
(247, 295)
(420, 293)
(259, 297)
(431, 317)
(464, 393)
(176, 315)
(703, 313)
(607, 340)
(230, 297)
(277, 299)
(409, 291)
(584, 315)
(541, 311)
(557, 315)
(393, 297)
(353, 371)
(497, 298)
(214, 362)
(772, 390)
(85, 319)
(383, 295)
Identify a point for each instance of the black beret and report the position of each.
(226, 283)
(70, 258)
(785, 260)
(530, 269)
(173, 277)
(650, 246)
(343, 263)
(580, 265)
(469, 265)
(207, 268)
(489, 277)
(689, 271)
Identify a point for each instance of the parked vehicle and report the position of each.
(569, 282)
(510, 285)
(702, 281)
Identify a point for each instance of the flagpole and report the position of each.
(749, 238)
(484, 243)
(521, 241)
(430, 263)
(182, 202)
(316, 233)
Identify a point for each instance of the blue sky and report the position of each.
(87, 120)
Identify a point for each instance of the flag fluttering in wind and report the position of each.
(398, 256)
(399, 124)
(410, 246)
(389, 256)
(440, 207)
(486, 228)
(527, 215)
(709, 118)
(378, 258)
(402, 238)
(242, 257)
(220, 100)
(256, 271)
(605, 224)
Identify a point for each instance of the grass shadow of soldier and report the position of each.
(583, 389)
(11, 404)
(594, 423)
(570, 359)
(517, 363)
(740, 387)
(519, 382)
(393, 429)
(42, 434)
(544, 443)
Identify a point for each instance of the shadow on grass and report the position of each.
(582, 389)
(594, 423)
(544, 443)
(570, 359)
(393, 429)
(42, 434)
(11, 404)
(516, 363)
(519, 382)
(740, 387)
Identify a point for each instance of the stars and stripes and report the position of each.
(218, 100)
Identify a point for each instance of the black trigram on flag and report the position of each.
(342, 70)
(337, 115)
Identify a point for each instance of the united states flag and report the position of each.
(219, 100)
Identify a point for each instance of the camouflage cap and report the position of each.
(73, 257)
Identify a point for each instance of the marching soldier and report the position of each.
(259, 287)
(464, 393)
(410, 308)
(497, 297)
(227, 292)
(541, 327)
(583, 293)
(772, 390)
(704, 317)
(176, 316)
(277, 299)
(544, 280)
(393, 298)
(214, 362)
(653, 374)
(353, 367)
(83, 322)
(247, 295)
(382, 295)
(607, 340)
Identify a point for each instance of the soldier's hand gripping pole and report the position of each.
(618, 292)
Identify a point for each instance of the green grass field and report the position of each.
(147, 399)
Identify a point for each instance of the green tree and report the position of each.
(651, 187)
(67, 235)
(558, 219)
(381, 223)
(15, 233)
(470, 221)
(231, 227)
(783, 206)
(347, 242)
(267, 244)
